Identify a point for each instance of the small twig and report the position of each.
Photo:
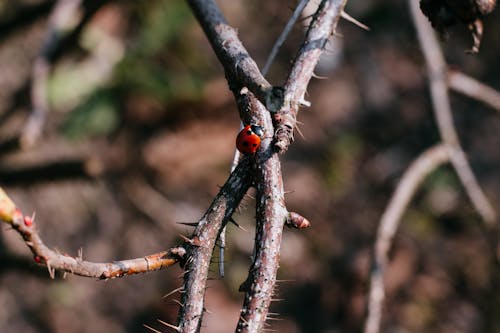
(442, 110)
(239, 67)
(54, 260)
(425, 164)
(320, 29)
(473, 88)
(284, 34)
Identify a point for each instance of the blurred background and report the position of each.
(141, 132)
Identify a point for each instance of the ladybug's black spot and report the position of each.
(249, 132)
(245, 143)
(254, 145)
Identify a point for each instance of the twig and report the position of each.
(473, 88)
(239, 67)
(26, 227)
(436, 66)
(62, 17)
(284, 34)
(321, 28)
(425, 164)
(222, 235)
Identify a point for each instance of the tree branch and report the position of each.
(270, 216)
(201, 245)
(436, 66)
(425, 164)
(321, 28)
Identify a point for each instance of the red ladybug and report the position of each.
(248, 140)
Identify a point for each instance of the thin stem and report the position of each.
(473, 88)
(284, 34)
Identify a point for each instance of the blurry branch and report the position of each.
(284, 34)
(150, 202)
(448, 150)
(425, 164)
(436, 66)
(25, 14)
(472, 88)
(53, 260)
(238, 65)
(87, 168)
(65, 16)
(320, 29)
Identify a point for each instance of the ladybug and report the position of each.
(248, 140)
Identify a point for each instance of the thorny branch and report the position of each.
(424, 165)
(201, 245)
(255, 98)
(54, 260)
(270, 216)
(322, 26)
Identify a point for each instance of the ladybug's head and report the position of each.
(257, 130)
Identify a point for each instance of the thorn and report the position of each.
(277, 299)
(176, 328)
(151, 329)
(319, 77)
(186, 239)
(275, 319)
(305, 103)
(336, 34)
(351, 19)
(236, 224)
(207, 310)
(173, 292)
(273, 314)
(300, 132)
(52, 271)
(64, 275)
(80, 254)
(184, 273)
(190, 224)
(178, 303)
